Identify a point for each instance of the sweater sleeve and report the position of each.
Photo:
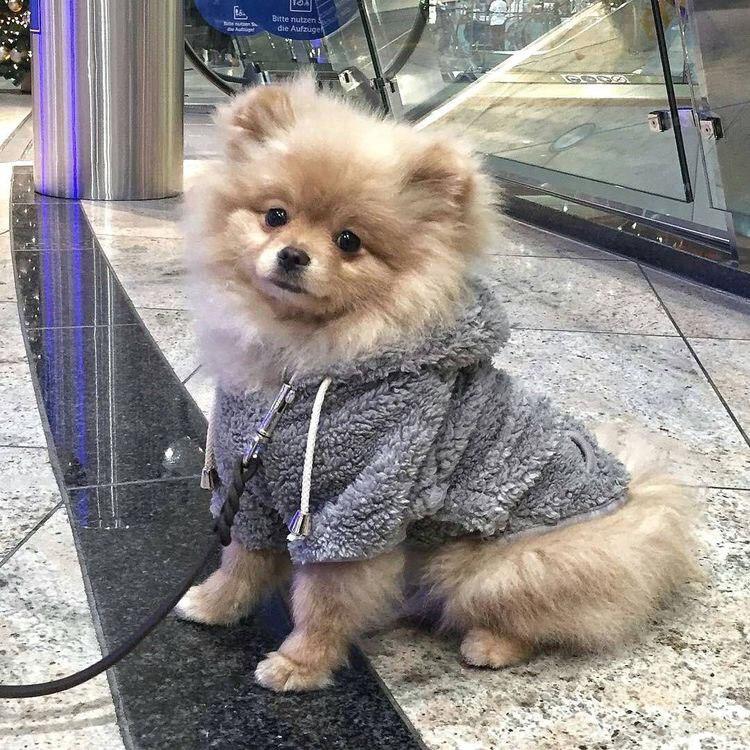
(371, 515)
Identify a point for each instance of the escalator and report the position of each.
(343, 59)
(582, 90)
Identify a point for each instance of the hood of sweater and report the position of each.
(475, 337)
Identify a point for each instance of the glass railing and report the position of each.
(581, 90)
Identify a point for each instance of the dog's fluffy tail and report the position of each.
(655, 533)
(588, 585)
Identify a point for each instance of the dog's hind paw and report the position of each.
(483, 648)
(279, 673)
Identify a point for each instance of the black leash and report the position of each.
(244, 469)
(222, 526)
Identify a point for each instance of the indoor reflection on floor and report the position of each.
(101, 379)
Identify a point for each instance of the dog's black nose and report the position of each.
(292, 258)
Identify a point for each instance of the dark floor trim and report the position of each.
(125, 442)
(705, 263)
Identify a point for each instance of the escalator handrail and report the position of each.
(215, 78)
(410, 45)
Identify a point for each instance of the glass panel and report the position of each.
(723, 30)
(567, 86)
(709, 208)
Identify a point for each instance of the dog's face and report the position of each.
(326, 213)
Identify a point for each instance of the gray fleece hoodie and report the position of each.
(422, 442)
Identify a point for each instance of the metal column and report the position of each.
(108, 98)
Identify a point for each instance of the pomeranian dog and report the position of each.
(347, 250)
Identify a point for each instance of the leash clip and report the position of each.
(266, 427)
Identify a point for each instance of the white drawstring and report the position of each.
(299, 526)
(209, 475)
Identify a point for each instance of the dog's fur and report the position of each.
(423, 209)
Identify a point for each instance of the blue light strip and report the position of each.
(73, 97)
(79, 365)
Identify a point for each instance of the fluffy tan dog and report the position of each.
(327, 235)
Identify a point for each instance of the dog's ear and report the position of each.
(257, 115)
(445, 184)
(444, 172)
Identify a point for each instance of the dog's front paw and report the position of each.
(211, 604)
(279, 673)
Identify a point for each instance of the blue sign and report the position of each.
(228, 16)
(303, 19)
(35, 20)
(290, 19)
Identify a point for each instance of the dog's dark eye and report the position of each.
(276, 217)
(348, 241)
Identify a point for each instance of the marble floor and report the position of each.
(657, 354)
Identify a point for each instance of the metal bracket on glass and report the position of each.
(394, 96)
(710, 126)
(660, 120)
(348, 80)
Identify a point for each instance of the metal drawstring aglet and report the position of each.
(300, 526)
(209, 479)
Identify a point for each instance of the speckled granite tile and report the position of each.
(7, 284)
(173, 332)
(29, 493)
(191, 687)
(116, 410)
(578, 294)
(649, 383)
(23, 187)
(151, 270)
(201, 388)
(19, 417)
(49, 287)
(701, 311)
(157, 218)
(46, 631)
(518, 238)
(685, 684)
(49, 226)
(728, 365)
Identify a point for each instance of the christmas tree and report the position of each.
(15, 44)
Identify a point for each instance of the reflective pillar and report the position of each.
(108, 98)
